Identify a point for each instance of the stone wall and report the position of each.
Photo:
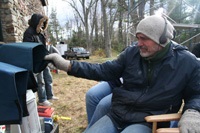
(14, 16)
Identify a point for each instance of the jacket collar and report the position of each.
(159, 55)
(174, 46)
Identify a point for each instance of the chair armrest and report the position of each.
(163, 118)
(168, 130)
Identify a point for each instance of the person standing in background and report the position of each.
(36, 33)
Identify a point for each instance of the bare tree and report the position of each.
(107, 39)
(132, 19)
(84, 15)
(120, 19)
(54, 24)
(108, 22)
(94, 24)
(151, 7)
(113, 12)
(141, 9)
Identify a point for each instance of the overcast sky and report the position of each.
(64, 11)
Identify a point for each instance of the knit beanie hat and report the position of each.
(157, 28)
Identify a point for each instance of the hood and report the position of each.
(38, 22)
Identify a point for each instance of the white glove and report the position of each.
(51, 66)
(58, 61)
(190, 122)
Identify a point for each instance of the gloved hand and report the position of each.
(190, 122)
(59, 61)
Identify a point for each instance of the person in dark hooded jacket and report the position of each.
(36, 33)
(157, 75)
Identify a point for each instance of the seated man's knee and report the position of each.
(90, 97)
(104, 105)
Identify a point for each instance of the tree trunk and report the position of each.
(107, 39)
(141, 9)
(120, 34)
(151, 7)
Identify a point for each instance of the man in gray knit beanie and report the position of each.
(161, 31)
(156, 28)
(156, 78)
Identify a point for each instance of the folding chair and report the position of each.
(165, 118)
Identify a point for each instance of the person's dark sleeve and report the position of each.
(115, 83)
(28, 37)
(196, 50)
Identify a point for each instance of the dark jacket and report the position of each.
(35, 33)
(196, 50)
(175, 77)
(115, 83)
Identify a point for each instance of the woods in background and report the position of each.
(110, 24)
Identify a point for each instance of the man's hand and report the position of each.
(58, 61)
(190, 122)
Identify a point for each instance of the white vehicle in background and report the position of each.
(62, 48)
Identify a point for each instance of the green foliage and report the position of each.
(51, 38)
(183, 11)
(186, 12)
(78, 39)
(54, 29)
(99, 52)
(117, 46)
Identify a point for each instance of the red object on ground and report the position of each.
(44, 111)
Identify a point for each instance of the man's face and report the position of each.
(147, 46)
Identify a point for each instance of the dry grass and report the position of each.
(71, 92)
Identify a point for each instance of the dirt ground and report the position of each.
(71, 103)
(71, 92)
